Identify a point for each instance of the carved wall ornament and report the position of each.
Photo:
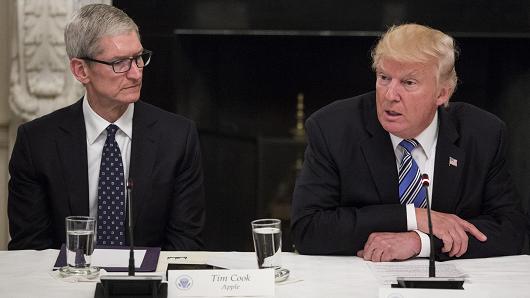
(41, 81)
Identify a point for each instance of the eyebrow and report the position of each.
(116, 58)
(413, 73)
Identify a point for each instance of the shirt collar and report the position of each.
(95, 125)
(427, 138)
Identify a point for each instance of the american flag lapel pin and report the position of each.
(453, 162)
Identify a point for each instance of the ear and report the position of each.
(80, 70)
(443, 95)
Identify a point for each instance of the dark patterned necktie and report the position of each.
(411, 190)
(111, 194)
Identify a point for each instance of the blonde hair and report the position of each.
(417, 43)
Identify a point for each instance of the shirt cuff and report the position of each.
(412, 224)
(425, 245)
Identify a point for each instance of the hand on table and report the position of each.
(385, 247)
(449, 228)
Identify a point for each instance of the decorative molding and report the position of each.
(41, 81)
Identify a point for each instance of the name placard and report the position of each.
(258, 282)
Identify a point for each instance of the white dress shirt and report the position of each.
(424, 155)
(96, 135)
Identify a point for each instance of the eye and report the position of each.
(409, 83)
(121, 65)
(383, 77)
(121, 62)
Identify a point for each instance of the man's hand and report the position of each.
(385, 247)
(449, 228)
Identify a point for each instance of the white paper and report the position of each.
(117, 257)
(387, 272)
(232, 261)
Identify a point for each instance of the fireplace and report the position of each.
(237, 68)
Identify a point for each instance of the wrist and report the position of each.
(425, 244)
(416, 240)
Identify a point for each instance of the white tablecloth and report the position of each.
(27, 274)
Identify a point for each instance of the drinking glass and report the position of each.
(80, 237)
(267, 235)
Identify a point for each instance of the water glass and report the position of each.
(267, 235)
(80, 237)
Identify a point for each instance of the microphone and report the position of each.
(130, 227)
(115, 286)
(431, 282)
(432, 265)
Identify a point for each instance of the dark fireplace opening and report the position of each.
(240, 82)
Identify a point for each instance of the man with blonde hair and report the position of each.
(78, 160)
(359, 192)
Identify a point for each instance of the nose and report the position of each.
(392, 90)
(134, 72)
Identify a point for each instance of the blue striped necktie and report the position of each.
(411, 190)
(111, 193)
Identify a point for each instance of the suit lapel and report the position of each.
(143, 155)
(71, 147)
(380, 157)
(449, 164)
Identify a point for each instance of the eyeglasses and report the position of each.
(123, 65)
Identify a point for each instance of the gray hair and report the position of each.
(90, 23)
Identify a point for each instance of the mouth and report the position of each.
(131, 87)
(392, 113)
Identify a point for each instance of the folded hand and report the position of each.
(385, 247)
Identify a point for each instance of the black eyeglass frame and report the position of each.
(114, 63)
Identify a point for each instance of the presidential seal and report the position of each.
(184, 282)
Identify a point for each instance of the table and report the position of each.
(27, 274)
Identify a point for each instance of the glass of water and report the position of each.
(267, 235)
(80, 236)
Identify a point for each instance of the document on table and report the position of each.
(387, 272)
(116, 257)
(117, 260)
(231, 261)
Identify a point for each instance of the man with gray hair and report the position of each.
(360, 193)
(78, 160)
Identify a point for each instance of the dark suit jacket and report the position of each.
(49, 179)
(348, 187)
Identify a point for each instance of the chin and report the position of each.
(397, 131)
(390, 127)
(131, 99)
